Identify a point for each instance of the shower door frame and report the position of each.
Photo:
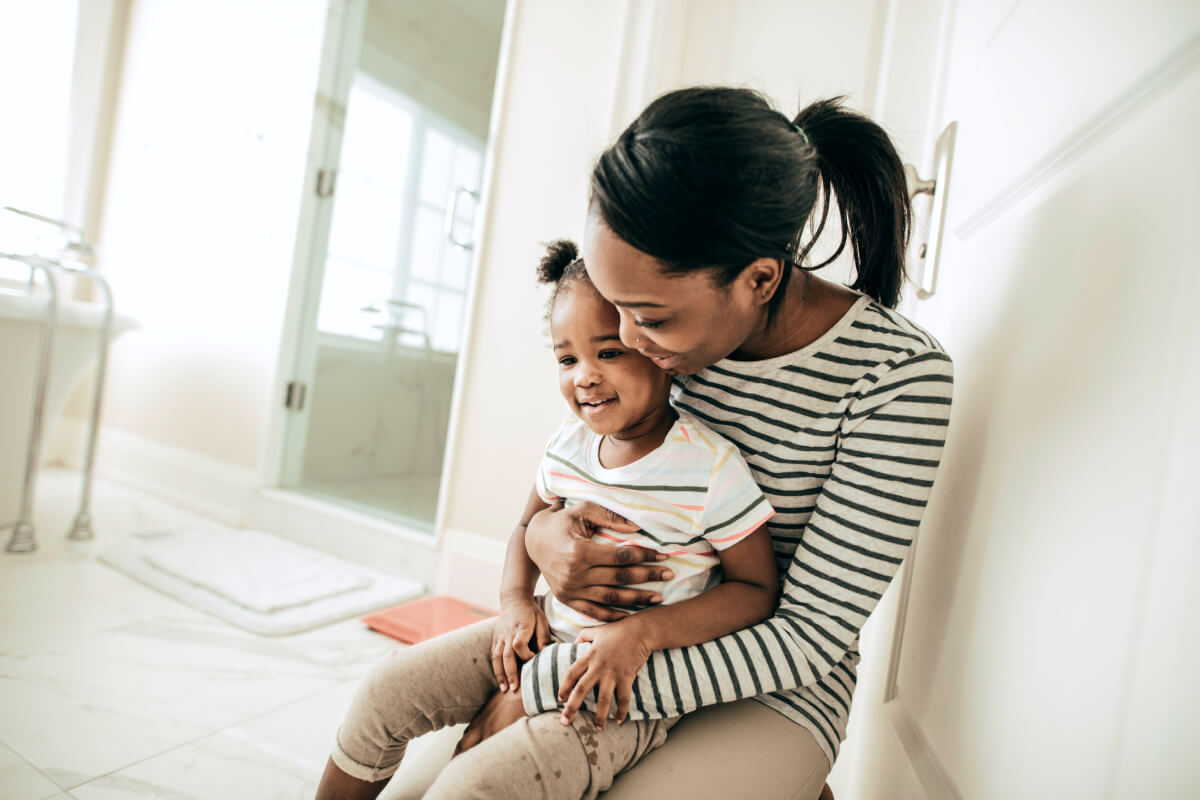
(297, 353)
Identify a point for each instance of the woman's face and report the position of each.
(684, 323)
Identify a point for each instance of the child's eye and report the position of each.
(566, 361)
(611, 353)
(645, 323)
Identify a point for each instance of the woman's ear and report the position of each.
(761, 277)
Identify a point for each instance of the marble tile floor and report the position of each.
(109, 689)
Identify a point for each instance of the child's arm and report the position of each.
(522, 628)
(520, 573)
(746, 595)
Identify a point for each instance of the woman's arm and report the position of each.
(856, 537)
(746, 595)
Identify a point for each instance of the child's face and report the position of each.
(608, 386)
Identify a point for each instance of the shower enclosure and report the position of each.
(388, 250)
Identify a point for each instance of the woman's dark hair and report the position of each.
(714, 177)
(562, 267)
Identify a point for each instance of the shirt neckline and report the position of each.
(810, 349)
(593, 452)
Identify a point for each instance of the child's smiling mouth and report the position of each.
(597, 405)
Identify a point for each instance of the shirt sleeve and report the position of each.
(863, 522)
(734, 506)
(542, 483)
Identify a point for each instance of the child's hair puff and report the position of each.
(561, 254)
(562, 267)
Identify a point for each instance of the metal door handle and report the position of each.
(929, 250)
(452, 211)
(326, 182)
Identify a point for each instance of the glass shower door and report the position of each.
(371, 405)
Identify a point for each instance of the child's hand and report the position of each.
(521, 631)
(618, 651)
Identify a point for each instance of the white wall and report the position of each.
(1049, 645)
(580, 72)
(556, 117)
(200, 216)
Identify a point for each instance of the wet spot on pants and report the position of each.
(590, 744)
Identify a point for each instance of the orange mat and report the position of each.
(425, 618)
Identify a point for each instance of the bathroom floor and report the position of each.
(109, 689)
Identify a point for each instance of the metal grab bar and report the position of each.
(23, 535)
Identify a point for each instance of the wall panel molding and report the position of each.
(1153, 82)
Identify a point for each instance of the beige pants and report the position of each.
(737, 750)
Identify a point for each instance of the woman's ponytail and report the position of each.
(857, 160)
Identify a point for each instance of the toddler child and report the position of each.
(627, 449)
(694, 502)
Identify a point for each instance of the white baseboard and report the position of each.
(234, 495)
(351, 535)
(922, 757)
(215, 489)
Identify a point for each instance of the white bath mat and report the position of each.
(255, 580)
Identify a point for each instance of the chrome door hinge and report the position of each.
(293, 400)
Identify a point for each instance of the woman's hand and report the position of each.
(501, 710)
(618, 651)
(584, 574)
(521, 631)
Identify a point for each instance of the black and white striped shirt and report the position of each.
(844, 436)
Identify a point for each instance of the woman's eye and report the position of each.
(645, 323)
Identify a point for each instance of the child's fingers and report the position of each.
(498, 665)
(574, 673)
(522, 649)
(604, 699)
(510, 669)
(624, 696)
(574, 688)
(578, 695)
(543, 632)
(520, 640)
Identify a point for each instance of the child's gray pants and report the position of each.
(445, 681)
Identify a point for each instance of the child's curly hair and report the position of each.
(562, 266)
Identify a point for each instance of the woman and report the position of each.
(839, 405)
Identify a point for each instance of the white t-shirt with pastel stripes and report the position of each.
(692, 497)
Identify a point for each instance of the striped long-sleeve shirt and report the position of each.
(844, 436)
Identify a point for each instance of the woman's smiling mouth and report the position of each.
(667, 362)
